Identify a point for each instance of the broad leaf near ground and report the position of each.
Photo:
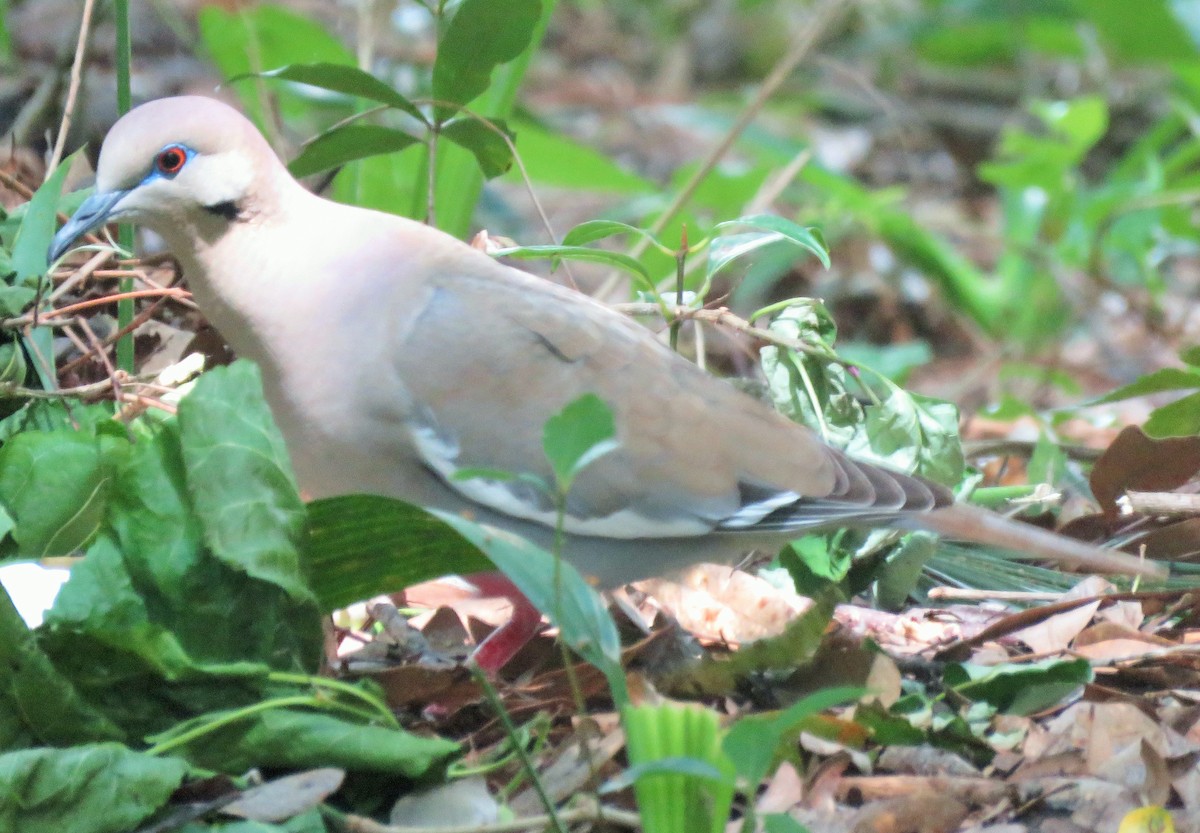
(302, 739)
(97, 788)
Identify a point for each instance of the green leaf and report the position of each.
(123, 655)
(1020, 689)
(754, 742)
(12, 364)
(394, 182)
(97, 788)
(1190, 355)
(346, 144)
(903, 569)
(1168, 378)
(798, 643)
(683, 780)
(493, 153)
(49, 415)
(556, 589)
(593, 230)
(1048, 463)
(294, 739)
(5, 38)
(38, 705)
(813, 564)
(56, 487)
(217, 612)
(482, 35)
(577, 436)
(912, 433)
(777, 228)
(895, 361)
(240, 477)
(1180, 418)
(615, 259)
(340, 78)
(14, 299)
(905, 431)
(690, 767)
(1151, 32)
(782, 823)
(360, 546)
(37, 228)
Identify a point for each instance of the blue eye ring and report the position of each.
(171, 159)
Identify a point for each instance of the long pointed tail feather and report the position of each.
(969, 523)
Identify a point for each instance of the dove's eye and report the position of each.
(171, 160)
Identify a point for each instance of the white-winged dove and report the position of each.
(393, 355)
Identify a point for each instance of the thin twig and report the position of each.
(822, 16)
(776, 183)
(64, 127)
(721, 316)
(78, 276)
(138, 320)
(1025, 448)
(137, 405)
(100, 352)
(71, 309)
(9, 390)
(13, 184)
(585, 811)
(1159, 504)
(970, 594)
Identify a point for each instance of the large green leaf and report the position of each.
(346, 144)
(362, 545)
(754, 742)
(38, 705)
(482, 35)
(240, 477)
(98, 788)
(904, 431)
(295, 739)
(557, 590)
(340, 78)
(1020, 689)
(489, 148)
(1149, 31)
(56, 486)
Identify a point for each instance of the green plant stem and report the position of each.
(125, 307)
(996, 496)
(339, 687)
(680, 270)
(232, 717)
(560, 540)
(489, 691)
(431, 168)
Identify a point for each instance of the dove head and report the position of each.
(186, 167)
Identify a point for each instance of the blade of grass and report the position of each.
(125, 307)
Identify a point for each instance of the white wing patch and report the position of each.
(441, 455)
(751, 513)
